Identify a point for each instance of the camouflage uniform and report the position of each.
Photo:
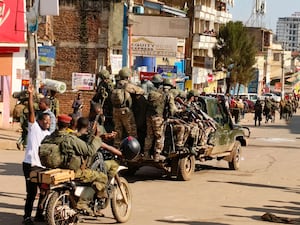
(161, 107)
(102, 96)
(54, 106)
(123, 116)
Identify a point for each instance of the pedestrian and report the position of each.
(77, 106)
(37, 131)
(44, 106)
(258, 109)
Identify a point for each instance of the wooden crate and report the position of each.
(53, 176)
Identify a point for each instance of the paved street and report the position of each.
(268, 181)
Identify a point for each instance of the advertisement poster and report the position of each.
(83, 81)
(12, 21)
(46, 55)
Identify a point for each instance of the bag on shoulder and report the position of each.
(119, 97)
(50, 152)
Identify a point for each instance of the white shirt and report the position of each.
(35, 136)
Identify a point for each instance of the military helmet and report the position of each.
(130, 148)
(124, 73)
(156, 79)
(167, 82)
(192, 93)
(104, 74)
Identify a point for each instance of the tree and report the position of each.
(235, 51)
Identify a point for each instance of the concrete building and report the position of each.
(288, 32)
(207, 18)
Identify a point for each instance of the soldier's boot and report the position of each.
(83, 203)
(158, 157)
(100, 189)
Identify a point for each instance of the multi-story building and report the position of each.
(288, 32)
(207, 18)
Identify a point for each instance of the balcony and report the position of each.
(210, 14)
(201, 41)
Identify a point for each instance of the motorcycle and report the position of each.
(60, 199)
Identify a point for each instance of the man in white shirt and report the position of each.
(37, 130)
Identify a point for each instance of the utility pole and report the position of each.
(32, 26)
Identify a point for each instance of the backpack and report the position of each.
(50, 152)
(120, 98)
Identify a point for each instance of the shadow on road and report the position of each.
(10, 218)
(288, 189)
(191, 222)
(11, 169)
(12, 195)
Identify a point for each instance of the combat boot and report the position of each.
(83, 205)
(158, 157)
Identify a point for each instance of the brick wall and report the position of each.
(80, 36)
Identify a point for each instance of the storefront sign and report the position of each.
(47, 55)
(12, 24)
(83, 81)
(146, 75)
(154, 46)
(116, 63)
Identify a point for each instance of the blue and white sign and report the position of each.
(47, 55)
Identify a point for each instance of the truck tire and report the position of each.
(186, 167)
(234, 164)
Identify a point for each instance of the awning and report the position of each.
(294, 77)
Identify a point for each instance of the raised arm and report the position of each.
(31, 117)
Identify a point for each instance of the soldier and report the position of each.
(121, 99)
(103, 96)
(161, 108)
(54, 103)
(74, 152)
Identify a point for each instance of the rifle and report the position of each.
(93, 129)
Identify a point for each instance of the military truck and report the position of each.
(223, 141)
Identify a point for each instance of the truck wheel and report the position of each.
(234, 164)
(186, 168)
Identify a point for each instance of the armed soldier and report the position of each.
(74, 152)
(121, 99)
(103, 96)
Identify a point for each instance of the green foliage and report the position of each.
(235, 51)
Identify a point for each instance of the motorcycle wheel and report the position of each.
(120, 209)
(60, 211)
(186, 168)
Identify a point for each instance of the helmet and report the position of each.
(104, 74)
(124, 73)
(156, 79)
(167, 82)
(130, 148)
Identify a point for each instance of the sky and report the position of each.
(243, 9)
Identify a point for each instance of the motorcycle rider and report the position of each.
(74, 151)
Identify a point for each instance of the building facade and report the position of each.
(288, 32)
(208, 16)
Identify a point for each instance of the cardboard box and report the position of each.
(53, 176)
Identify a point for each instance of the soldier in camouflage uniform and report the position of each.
(54, 106)
(103, 96)
(161, 108)
(74, 151)
(123, 116)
